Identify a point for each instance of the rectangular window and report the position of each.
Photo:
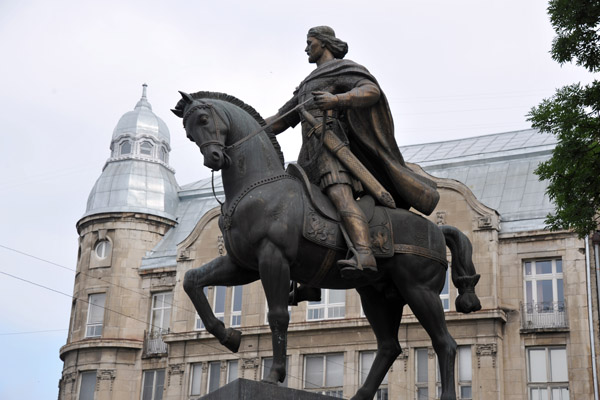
(160, 315)
(214, 376)
(87, 385)
(325, 374)
(232, 370)
(366, 362)
(199, 324)
(236, 306)
(219, 302)
(95, 315)
(153, 384)
(547, 375)
(196, 379)
(266, 367)
(544, 294)
(445, 294)
(463, 373)
(422, 374)
(331, 306)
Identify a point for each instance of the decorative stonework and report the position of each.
(485, 222)
(105, 375)
(440, 217)
(251, 364)
(175, 369)
(221, 245)
(184, 255)
(486, 350)
(431, 352)
(69, 378)
(404, 357)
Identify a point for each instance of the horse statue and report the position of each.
(274, 231)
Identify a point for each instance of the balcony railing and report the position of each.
(153, 343)
(544, 315)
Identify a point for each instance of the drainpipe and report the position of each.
(589, 300)
(596, 242)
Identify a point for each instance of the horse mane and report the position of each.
(239, 103)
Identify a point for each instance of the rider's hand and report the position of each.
(325, 100)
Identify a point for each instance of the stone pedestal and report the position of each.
(244, 389)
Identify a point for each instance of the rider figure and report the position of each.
(349, 102)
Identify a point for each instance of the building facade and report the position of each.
(134, 333)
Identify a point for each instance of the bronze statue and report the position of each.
(277, 228)
(348, 143)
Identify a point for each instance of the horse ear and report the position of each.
(186, 96)
(177, 112)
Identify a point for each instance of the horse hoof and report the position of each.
(233, 338)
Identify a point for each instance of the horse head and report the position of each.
(206, 126)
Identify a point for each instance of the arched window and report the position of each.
(125, 147)
(146, 148)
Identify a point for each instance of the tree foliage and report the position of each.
(573, 116)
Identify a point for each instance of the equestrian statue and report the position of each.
(338, 219)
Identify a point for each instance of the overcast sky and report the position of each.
(70, 69)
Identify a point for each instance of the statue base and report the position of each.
(244, 389)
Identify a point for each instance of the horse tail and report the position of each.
(464, 275)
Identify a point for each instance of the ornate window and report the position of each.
(125, 148)
(146, 148)
(87, 385)
(95, 317)
(547, 375)
(153, 384)
(164, 154)
(324, 374)
(366, 361)
(544, 295)
(331, 306)
(160, 314)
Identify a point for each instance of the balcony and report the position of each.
(154, 345)
(544, 316)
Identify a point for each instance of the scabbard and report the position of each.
(349, 160)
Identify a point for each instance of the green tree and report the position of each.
(573, 116)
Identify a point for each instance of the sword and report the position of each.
(350, 161)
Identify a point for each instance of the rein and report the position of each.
(262, 128)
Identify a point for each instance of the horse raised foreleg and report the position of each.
(223, 272)
(384, 316)
(275, 276)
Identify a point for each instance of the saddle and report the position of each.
(322, 222)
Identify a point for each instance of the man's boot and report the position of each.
(363, 260)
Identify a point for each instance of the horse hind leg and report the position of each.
(221, 272)
(423, 298)
(384, 316)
